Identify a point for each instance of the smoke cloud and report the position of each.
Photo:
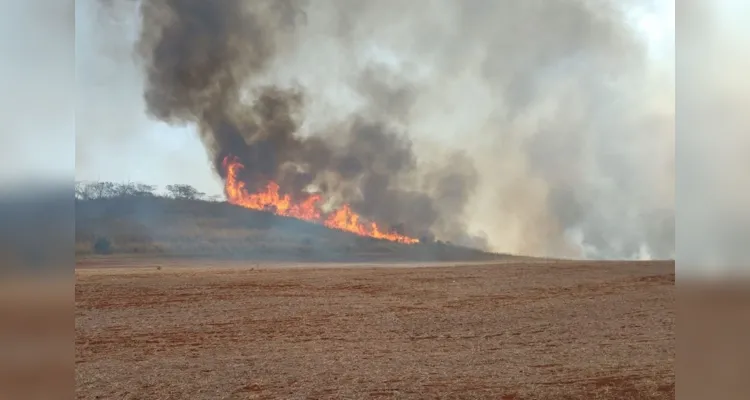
(539, 127)
(714, 191)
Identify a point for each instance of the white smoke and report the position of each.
(566, 108)
(713, 185)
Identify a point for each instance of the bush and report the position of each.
(102, 245)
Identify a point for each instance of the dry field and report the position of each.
(505, 331)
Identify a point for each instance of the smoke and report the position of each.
(203, 60)
(712, 151)
(115, 139)
(537, 127)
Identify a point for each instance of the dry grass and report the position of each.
(155, 227)
(510, 331)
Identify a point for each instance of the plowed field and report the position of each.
(552, 330)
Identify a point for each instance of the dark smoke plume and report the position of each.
(559, 114)
(205, 62)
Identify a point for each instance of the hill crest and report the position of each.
(159, 226)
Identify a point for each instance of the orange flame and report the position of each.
(344, 219)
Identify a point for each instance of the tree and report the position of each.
(102, 190)
(122, 189)
(142, 189)
(94, 190)
(81, 190)
(185, 192)
(132, 189)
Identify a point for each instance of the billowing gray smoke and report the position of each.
(543, 125)
(712, 160)
(205, 61)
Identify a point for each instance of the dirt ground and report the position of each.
(508, 331)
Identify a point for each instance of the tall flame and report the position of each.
(271, 200)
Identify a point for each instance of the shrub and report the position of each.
(102, 245)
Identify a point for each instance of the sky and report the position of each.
(118, 142)
(37, 78)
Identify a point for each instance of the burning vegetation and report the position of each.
(206, 65)
(308, 209)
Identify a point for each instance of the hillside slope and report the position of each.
(194, 228)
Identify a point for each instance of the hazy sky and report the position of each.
(116, 141)
(37, 79)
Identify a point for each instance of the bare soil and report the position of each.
(564, 330)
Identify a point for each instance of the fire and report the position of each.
(271, 200)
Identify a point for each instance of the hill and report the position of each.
(150, 225)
